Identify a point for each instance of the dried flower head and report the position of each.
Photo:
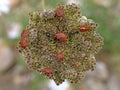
(60, 43)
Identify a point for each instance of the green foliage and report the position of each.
(38, 81)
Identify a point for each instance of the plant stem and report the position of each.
(43, 5)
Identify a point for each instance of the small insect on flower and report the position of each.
(59, 12)
(25, 33)
(83, 29)
(60, 56)
(61, 36)
(47, 70)
(23, 43)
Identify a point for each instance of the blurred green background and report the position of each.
(14, 74)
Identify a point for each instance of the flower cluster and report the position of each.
(60, 43)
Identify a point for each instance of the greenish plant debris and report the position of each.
(60, 44)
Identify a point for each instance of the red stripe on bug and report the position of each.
(83, 29)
